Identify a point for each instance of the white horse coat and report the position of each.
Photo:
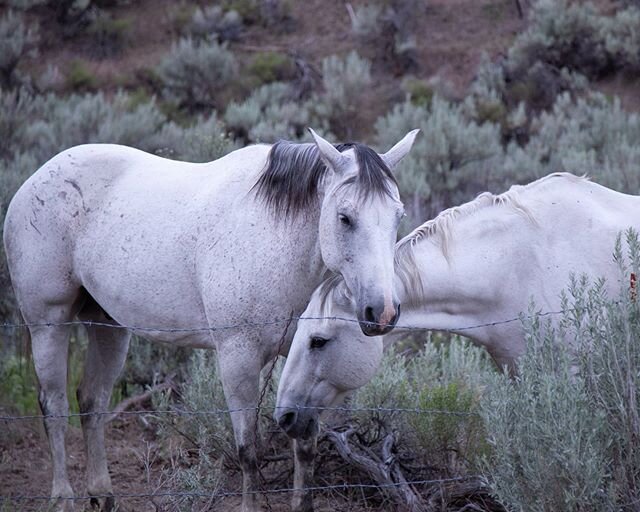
(113, 234)
(476, 264)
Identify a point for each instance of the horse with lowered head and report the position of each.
(464, 272)
(113, 235)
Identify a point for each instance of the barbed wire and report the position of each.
(229, 494)
(240, 325)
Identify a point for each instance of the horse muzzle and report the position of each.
(378, 321)
(297, 422)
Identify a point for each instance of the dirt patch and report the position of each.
(136, 466)
(25, 466)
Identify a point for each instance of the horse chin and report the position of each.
(298, 423)
(304, 429)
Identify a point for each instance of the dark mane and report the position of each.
(289, 182)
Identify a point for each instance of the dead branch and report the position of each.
(467, 490)
(385, 472)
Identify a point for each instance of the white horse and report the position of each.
(111, 234)
(473, 265)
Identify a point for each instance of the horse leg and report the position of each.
(240, 372)
(50, 345)
(106, 354)
(304, 451)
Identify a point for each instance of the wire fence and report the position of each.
(17, 499)
(276, 321)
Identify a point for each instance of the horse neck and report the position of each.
(467, 287)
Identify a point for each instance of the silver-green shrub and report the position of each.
(452, 160)
(195, 74)
(25, 5)
(209, 436)
(586, 135)
(575, 35)
(202, 141)
(343, 81)
(271, 113)
(565, 433)
(47, 124)
(608, 329)
(17, 40)
(274, 111)
(366, 23)
(215, 23)
(548, 452)
(202, 425)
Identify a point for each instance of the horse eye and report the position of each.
(318, 342)
(344, 219)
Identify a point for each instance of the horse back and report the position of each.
(96, 213)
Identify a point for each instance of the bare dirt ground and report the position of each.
(137, 466)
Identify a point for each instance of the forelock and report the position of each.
(374, 178)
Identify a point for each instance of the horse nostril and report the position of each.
(368, 315)
(287, 420)
(395, 318)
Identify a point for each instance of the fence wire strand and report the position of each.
(215, 412)
(277, 321)
(229, 494)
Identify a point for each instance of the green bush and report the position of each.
(196, 74)
(80, 78)
(17, 41)
(443, 380)
(419, 91)
(271, 67)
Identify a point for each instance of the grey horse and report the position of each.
(111, 234)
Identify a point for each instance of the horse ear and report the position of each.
(400, 150)
(331, 157)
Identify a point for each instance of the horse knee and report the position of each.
(86, 405)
